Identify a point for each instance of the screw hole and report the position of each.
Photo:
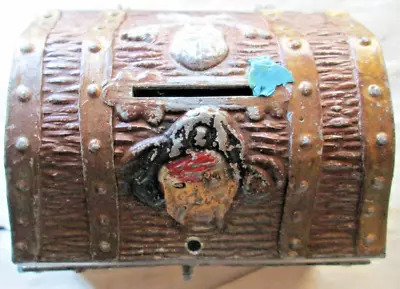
(193, 245)
(301, 119)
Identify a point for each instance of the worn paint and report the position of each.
(198, 188)
(265, 75)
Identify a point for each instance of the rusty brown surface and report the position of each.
(63, 214)
(103, 89)
(377, 126)
(250, 227)
(334, 226)
(306, 138)
(23, 140)
(95, 121)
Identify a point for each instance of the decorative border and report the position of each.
(377, 126)
(306, 139)
(22, 141)
(95, 120)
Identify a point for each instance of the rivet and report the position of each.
(22, 186)
(22, 221)
(104, 220)
(26, 48)
(251, 34)
(295, 44)
(94, 145)
(305, 88)
(295, 244)
(378, 183)
(113, 13)
(365, 41)
(104, 246)
(374, 90)
(303, 186)
(382, 138)
(94, 47)
(305, 141)
(23, 93)
(21, 246)
(47, 15)
(369, 239)
(265, 35)
(93, 90)
(101, 190)
(370, 210)
(297, 216)
(22, 144)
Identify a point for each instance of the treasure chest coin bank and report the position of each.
(160, 138)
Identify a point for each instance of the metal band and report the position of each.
(95, 119)
(23, 140)
(377, 126)
(305, 141)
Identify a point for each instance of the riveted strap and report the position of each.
(306, 137)
(23, 138)
(377, 127)
(95, 119)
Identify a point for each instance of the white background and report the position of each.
(380, 16)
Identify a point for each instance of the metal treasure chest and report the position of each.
(146, 138)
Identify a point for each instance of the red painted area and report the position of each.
(190, 168)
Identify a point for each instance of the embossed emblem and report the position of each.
(199, 47)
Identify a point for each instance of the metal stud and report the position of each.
(305, 141)
(23, 93)
(265, 35)
(297, 216)
(370, 211)
(113, 13)
(23, 221)
(94, 145)
(22, 186)
(22, 144)
(93, 90)
(295, 244)
(370, 239)
(305, 88)
(47, 15)
(94, 47)
(104, 246)
(295, 44)
(378, 183)
(101, 190)
(104, 220)
(382, 138)
(26, 47)
(303, 186)
(365, 41)
(374, 90)
(21, 246)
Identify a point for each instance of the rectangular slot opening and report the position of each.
(191, 92)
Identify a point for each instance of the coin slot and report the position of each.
(191, 92)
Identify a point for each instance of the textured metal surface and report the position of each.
(23, 139)
(334, 225)
(250, 227)
(377, 126)
(306, 138)
(116, 97)
(95, 120)
(63, 199)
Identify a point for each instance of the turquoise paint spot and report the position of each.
(265, 75)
